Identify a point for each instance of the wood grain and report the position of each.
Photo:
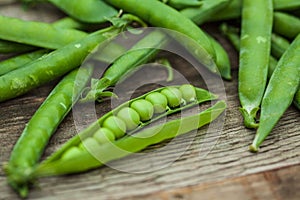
(214, 162)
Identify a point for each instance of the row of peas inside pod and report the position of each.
(135, 114)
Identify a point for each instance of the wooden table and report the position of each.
(228, 171)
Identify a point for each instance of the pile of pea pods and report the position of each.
(265, 33)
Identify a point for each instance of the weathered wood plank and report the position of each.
(212, 156)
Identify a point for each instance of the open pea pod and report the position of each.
(97, 155)
(90, 137)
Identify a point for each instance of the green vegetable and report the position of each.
(286, 25)
(159, 101)
(279, 45)
(143, 51)
(144, 108)
(101, 154)
(188, 92)
(166, 17)
(254, 56)
(280, 91)
(104, 135)
(41, 126)
(49, 37)
(21, 60)
(181, 4)
(90, 11)
(202, 14)
(13, 47)
(173, 95)
(51, 66)
(116, 125)
(130, 117)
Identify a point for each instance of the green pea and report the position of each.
(130, 117)
(71, 153)
(144, 108)
(158, 100)
(104, 135)
(173, 95)
(88, 142)
(116, 125)
(188, 92)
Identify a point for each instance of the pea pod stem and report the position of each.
(29, 147)
(280, 92)
(254, 57)
(130, 144)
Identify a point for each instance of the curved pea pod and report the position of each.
(158, 14)
(140, 53)
(222, 60)
(90, 11)
(254, 57)
(280, 92)
(101, 154)
(51, 66)
(199, 16)
(47, 36)
(286, 25)
(30, 146)
(201, 96)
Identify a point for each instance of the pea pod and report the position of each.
(254, 56)
(181, 4)
(140, 53)
(280, 91)
(286, 25)
(48, 36)
(90, 11)
(201, 96)
(232, 35)
(202, 14)
(166, 17)
(234, 9)
(21, 60)
(29, 148)
(279, 45)
(13, 47)
(101, 154)
(51, 66)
